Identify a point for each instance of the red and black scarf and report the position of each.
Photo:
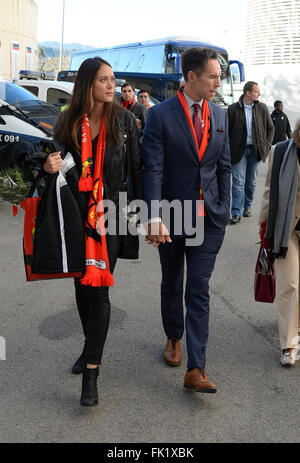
(205, 136)
(97, 263)
(128, 104)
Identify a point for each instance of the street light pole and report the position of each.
(62, 38)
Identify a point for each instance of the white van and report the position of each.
(58, 92)
(52, 91)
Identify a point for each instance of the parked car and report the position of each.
(16, 125)
(46, 75)
(52, 91)
(67, 76)
(23, 115)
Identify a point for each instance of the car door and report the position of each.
(57, 97)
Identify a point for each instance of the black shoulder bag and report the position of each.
(129, 248)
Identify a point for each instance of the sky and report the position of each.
(114, 22)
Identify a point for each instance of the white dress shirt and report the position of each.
(190, 103)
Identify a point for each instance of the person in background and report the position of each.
(91, 131)
(279, 222)
(281, 123)
(129, 102)
(251, 133)
(143, 97)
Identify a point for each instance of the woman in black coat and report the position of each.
(103, 140)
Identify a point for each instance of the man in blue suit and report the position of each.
(186, 158)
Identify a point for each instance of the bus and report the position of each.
(155, 65)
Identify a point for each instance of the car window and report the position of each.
(12, 93)
(31, 89)
(57, 97)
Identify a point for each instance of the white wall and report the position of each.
(278, 82)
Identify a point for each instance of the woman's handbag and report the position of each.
(265, 280)
(30, 206)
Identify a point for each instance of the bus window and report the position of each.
(170, 57)
(172, 88)
(237, 72)
(224, 95)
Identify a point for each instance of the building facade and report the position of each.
(18, 37)
(272, 51)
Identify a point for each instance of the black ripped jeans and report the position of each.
(94, 308)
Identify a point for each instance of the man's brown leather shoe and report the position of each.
(198, 381)
(172, 354)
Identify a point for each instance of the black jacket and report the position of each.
(117, 158)
(282, 127)
(55, 245)
(140, 112)
(262, 130)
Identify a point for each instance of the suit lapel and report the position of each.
(184, 125)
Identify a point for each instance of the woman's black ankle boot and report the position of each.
(89, 394)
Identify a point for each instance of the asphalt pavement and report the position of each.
(142, 399)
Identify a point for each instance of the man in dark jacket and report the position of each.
(251, 134)
(129, 102)
(281, 123)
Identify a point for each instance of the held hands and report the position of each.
(157, 234)
(53, 163)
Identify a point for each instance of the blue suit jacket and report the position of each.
(172, 169)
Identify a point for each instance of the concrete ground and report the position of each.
(141, 399)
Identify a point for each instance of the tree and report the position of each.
(41, 52)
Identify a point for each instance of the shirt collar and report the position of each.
(190, 102)
(247, 105)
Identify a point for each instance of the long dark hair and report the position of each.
(81, 103)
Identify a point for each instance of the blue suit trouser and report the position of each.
(200, 261)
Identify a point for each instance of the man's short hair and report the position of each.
(195, 59)
(128, 84)
(143, 90)
(248, 87)
(277, 103)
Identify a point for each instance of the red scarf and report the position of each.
(128, 104)
(205, 136)
(97, 263)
